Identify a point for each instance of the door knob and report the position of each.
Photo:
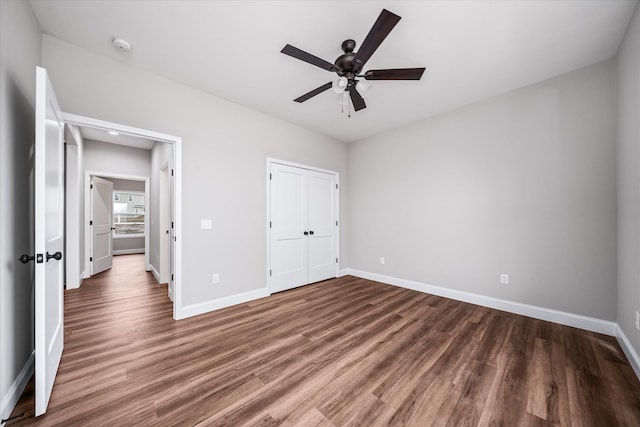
(24, 258)
(306, 233)
(311, 232)
(57, 256)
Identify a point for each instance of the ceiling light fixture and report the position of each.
(339, 85)
(121, 44)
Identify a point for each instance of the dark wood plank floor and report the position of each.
(343, 352)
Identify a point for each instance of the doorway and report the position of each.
(173, 163)
(121, 230)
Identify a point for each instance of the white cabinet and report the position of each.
(303, 225)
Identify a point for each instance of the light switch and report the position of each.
(206, 224)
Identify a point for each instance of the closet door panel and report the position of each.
(288, 224)
(322, 222)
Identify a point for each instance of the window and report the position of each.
(128, 214)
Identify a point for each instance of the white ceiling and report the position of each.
(471, 49)
(102, 135)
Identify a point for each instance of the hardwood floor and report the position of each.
(342, 352)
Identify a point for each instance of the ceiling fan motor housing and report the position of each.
(345, 64)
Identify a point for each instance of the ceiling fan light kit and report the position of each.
(349, 65)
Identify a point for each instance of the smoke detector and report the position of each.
(121, 44)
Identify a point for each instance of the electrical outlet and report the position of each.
(206, 224)
(216, 279)
(638, 320)
(382, 260)
(504, 279)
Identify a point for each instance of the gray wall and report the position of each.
(19, 54)
(115, 159)
(127, 185)
(128, 245)
(225, 147)
(119, 160)
(628, 68)
(522, 184)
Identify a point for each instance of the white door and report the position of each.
(101, 220)
(303, 226)
(323, 226)
(49, 238)
(288, 225)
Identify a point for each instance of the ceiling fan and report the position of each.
(349, 65)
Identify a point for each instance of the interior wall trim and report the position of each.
(219, 303)
(632, 356)
(563, 318)
(128, 252)
(10, 400)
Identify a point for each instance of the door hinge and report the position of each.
(172, 277)
(270, 176)
(336, 186)
(270, 224)
(90, 222)
(336, 260)
(270, 273)
(171, 224)
(336, 223)
(171, 172)
(91, 186)
(90, 259)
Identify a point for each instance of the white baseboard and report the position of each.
(155, 273)
(542, 313)
(15, 391)
(128, 251)
(632, 356)
(344, 272)
(217, 304)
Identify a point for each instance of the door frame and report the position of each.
(88, 236)
(176, 143)
(164, 225)
(270, 161)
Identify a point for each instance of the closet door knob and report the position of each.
(57, 256)
(311, 232)
(306, 233)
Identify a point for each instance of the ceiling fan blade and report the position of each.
(356, 98)
(380, 30)
(307, 57)
(395, 74)
(314, 92)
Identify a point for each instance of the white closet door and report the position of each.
(288, 225)
(322, 226)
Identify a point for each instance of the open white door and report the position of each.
(49, 239)
(101, 220)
